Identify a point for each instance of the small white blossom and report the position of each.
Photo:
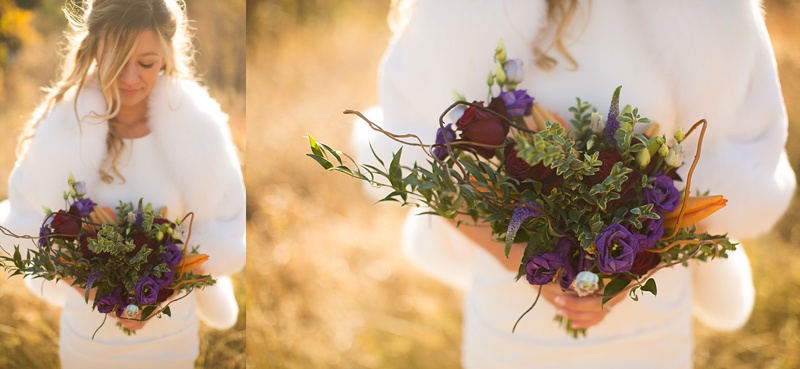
(597, 124)
(675, 156)
(131, 310)
(586, 283)
(514, 71)
(177, 232)
(80, 188)
(131, 217)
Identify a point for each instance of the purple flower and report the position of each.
(43, 233)
(574, 261)
(93, 277)
(112, 302)
(651, 232)
(84, 207)
(616, 249)
(518, 103)
(139, 214)
(443, 136)
(166, 279)
(80, 188)
(612, 124)
(542, 268)
(147, 291)
(664, 196)
(172, 254)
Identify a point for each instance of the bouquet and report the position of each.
(595, 205)
(132, 258)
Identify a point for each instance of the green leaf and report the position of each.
(614, 287)
(395, 172)
(332, 151)
(167, 311)
(322, 161)
(650, 286)
(147, 311)
(315, 147)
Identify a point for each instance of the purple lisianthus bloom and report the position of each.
(43, 233)
(650, 233)
(84, 207)
(542, 268)
(616, 249)
(443, 136)
(664, 196)
(166, 279)
(112, 302)
(518, 103)
(574, 261)
(172, 254)
(147, 291)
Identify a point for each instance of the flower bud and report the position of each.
(131, 310)
(131, 217)
(597, 124)
(159, 236)
(500, 74)
(663, 150)
(643, 158)
(490, 79)
(514, 71)
(177, 232)
(679, 135)
(71, 179)
(66, 195)
(80, 188)
(586, 283)
(500, 52)
(73, 193)
(675, 156)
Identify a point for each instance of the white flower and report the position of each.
(131, 217)
(80, 188)
(131, 310)
(586, 283)
(514, 72)
(675, 156)
(597, 124)
(177, 232)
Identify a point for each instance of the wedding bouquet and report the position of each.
(595, 205)
(131, 258)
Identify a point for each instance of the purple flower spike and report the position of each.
(147, 291)
(93, 277)
(611, 123)
(616, 249)
(518, 103)
(443, 136)
(43, 233)
(521, 213)
(139, 215)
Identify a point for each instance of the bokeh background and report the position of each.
(30, 32)
(328, 286)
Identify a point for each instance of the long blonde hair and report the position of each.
(560, 14)
(116, 24)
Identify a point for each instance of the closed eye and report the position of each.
(147, 66)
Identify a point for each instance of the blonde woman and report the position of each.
(128, 119)
(678, 62)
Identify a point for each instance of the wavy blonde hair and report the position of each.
(116, 25)
(560, 14)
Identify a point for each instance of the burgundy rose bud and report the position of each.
(643, 262)
(616, 248)
(519, 169)
(609, 158)
(66, 224)
(542, 268)
(483, 127)
(164, 294)
(84, 246)
(664, 196)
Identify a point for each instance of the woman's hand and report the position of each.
(584, 312)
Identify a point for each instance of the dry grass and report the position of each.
(328, 286)
(29, 326)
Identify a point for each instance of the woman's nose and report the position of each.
(129, 75)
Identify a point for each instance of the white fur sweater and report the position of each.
(193, 140)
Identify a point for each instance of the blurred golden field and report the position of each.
(28, 325)
(328, 286)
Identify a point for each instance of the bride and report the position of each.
(128, 119)
(679, 62)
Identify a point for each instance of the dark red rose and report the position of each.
(67, 225)
(164, 294)
(84, 247)
(518, 169)
(480, 126)
(643, 262)
(140, 240)
(609, 158)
